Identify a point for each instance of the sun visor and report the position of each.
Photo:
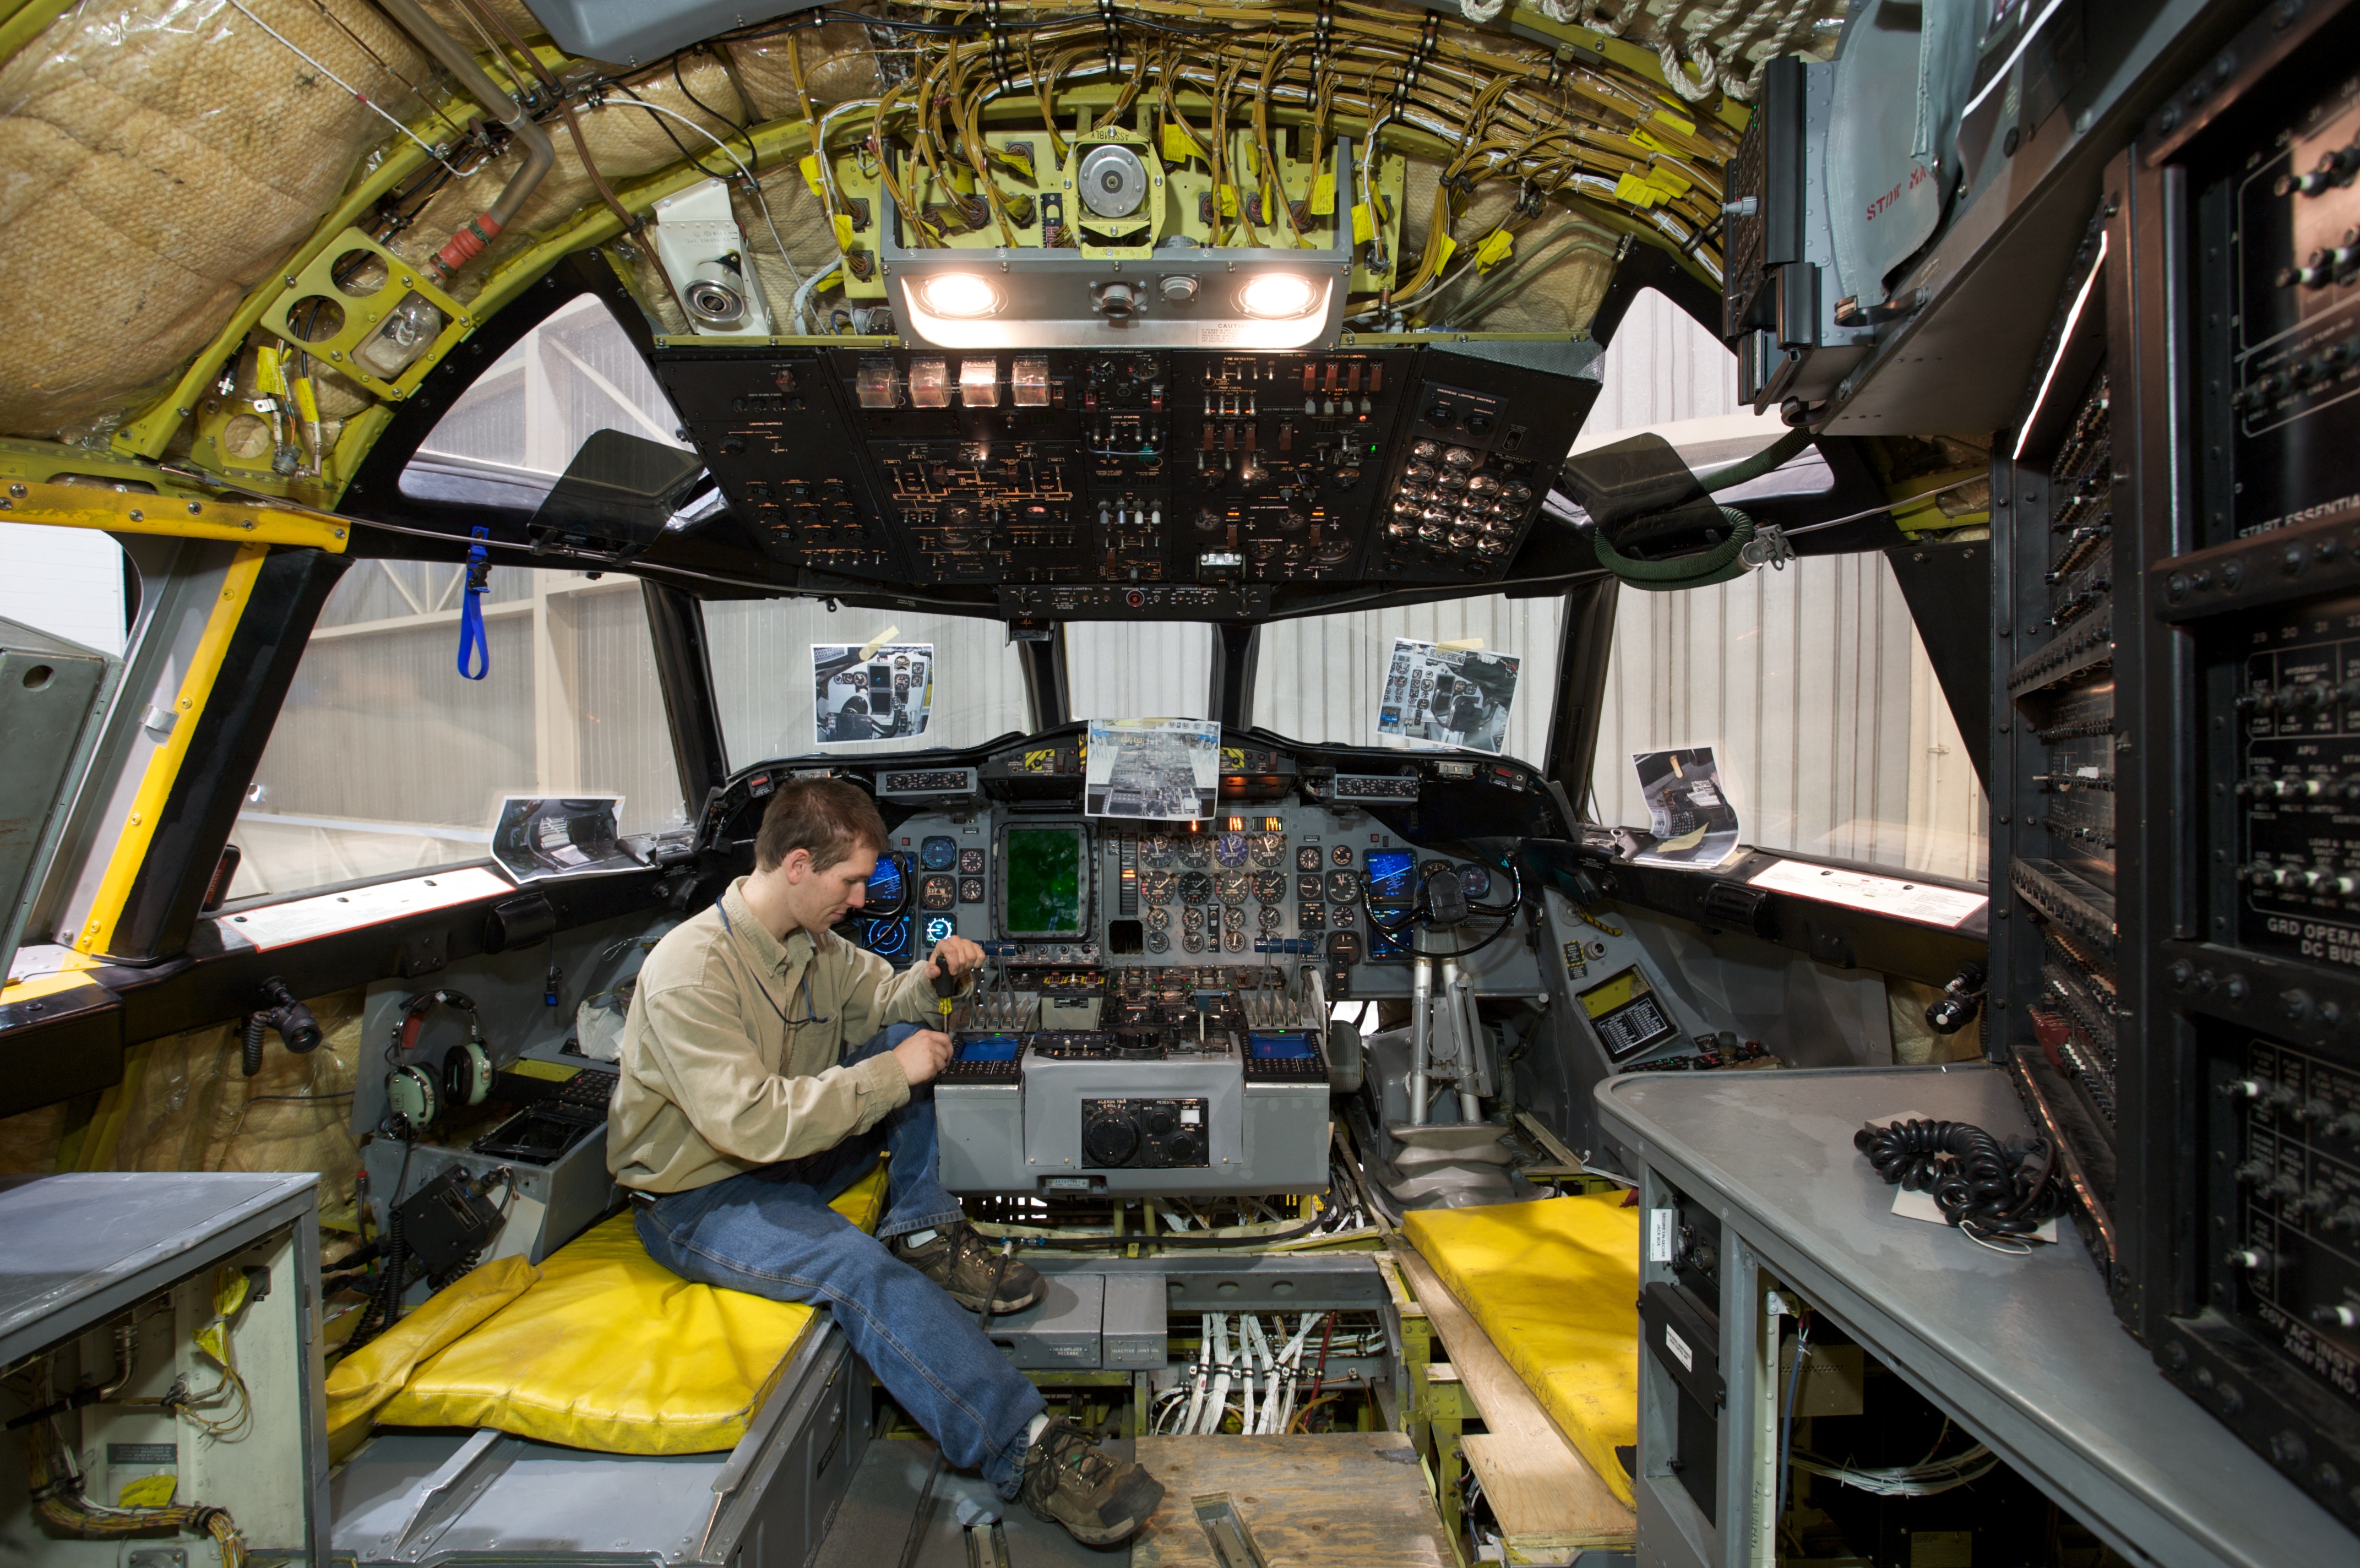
(617, 495)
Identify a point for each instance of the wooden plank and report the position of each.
(1356, 1498)
(1552, 1489)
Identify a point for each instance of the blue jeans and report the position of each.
(771, 1232)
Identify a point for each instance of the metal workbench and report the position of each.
(2023, 1351)
(81, 1250)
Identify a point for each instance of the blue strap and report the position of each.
(470, 612)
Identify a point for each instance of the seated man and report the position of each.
(741, 1115)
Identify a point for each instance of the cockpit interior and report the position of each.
(1460, 683)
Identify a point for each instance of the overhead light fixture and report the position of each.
(1277, 296)
(961, 296)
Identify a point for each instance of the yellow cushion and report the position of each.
(366, 1379)
(611, 1350)
(1555, 1285)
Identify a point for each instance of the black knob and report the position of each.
(1187, 1148)
(1110, 1138)
(1160, 1120)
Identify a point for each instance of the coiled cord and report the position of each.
(1980, 1185)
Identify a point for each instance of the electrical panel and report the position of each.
(1174, 482)
(2187, 965)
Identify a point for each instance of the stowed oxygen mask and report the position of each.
(1656, 523)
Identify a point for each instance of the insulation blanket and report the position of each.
(157, 158)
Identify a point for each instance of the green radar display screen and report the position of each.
(1042, 882)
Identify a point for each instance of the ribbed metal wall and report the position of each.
(1662, 367)
(623, 742)
(1807, 684)
(379, 728)
(762, 675)
(1139, 670)
(1318, 679)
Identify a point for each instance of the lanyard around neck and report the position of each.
(809, 1016)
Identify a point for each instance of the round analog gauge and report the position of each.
(1194, 887)
(1343, 887)
(1234, 941)
(1233, 917)
(1270, 917)
(1343, 915)
(1310, 885)
(1192, 918)
(1158, 943)
(1475, 881)
(1192, 942)
(938, 854)
(1433, 869)
(938, 892)
(970, 863)
(1268, 849)
(1155, 849)
(1341, 855)
(1229, 849)
(971, 891)
(1269, 887)
(1231, 887)
(940, 928)
(1307, 858)
(1159, 918)
(1155, 886)
(1193, 851)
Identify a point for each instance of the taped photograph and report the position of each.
(887, 695)
(1688, 813)
(1152, 769)
(547, 836)
(1448, 696)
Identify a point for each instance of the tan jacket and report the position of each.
(716, 1079)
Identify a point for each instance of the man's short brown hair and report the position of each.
(826, 816)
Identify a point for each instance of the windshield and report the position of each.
(792, 678)
(1476, 674)
(1139, 670)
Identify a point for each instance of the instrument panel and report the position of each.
(1282, 878)
(1181, 482)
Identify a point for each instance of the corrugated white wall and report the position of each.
(1812, 688)
(1661, 367)
(762, 676)
(1139, 670)
(1318, 679)
(65, 581)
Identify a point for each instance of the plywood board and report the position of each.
(1352, 1499)
(1545, 1487)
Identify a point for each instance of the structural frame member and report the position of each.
(741, 1115)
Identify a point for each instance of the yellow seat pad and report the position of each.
(609, 1350)
(1555, 1285)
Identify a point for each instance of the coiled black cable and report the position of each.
(1979, 1184)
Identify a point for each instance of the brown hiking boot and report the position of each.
(962, 1263)
(1101, 1499)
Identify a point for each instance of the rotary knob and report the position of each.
(1110, 1138)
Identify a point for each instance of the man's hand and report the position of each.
(922, 1055)
(954, 955)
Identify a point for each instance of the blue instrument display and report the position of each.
(939, 852)
(888, 887)
(938, 927)
(1393, 876)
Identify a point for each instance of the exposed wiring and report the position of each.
(754, 186)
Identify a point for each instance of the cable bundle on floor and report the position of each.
(1979, 1184)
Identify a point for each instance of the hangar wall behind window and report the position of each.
(384, 759)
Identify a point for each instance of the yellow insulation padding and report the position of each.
(370, 1375)
(1555, 1285)
(612, 1352)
